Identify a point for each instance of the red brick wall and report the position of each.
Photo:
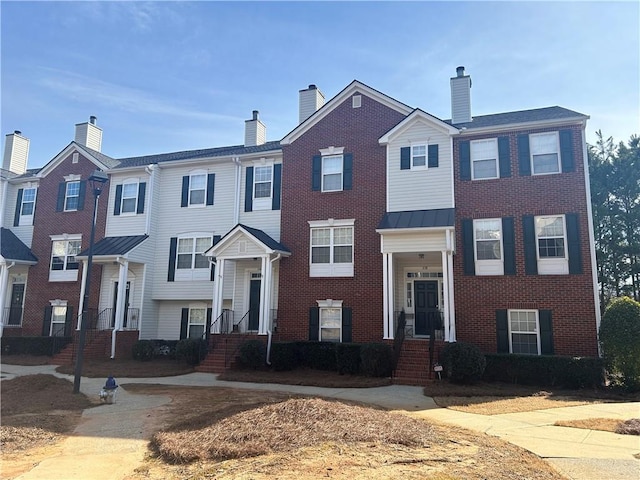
(357, 130)
(49, 222)
(570, 297)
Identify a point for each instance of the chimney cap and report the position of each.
(17, 132)
(255, 114)
(92, 119)
(460, 71)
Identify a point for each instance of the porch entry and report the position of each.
(254, 304)
(115, 304)
(17, 299)
(427, 315)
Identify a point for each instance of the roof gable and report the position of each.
(415, 117)
(327, 108)
(101, 161)
(228, 246)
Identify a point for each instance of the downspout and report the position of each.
(269, 332)
(4, 280)
(236, 209)
(117, 322)
(151, 171)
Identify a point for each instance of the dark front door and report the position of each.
(126, 305)
(427, 314)
(254, 305)
(15, 309)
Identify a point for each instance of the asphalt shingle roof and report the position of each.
(441, 217)
(521, 116)
(115, 245)
(12, 248)
(264, 238)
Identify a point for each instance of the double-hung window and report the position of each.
(551, 242)
(58, 320)
(545, 148)
(72, 196)
(27, 206)
(330, 324)
(197, 322)
(191, 264)
(331, 248)
(418, 156)
(524, 332)
(197, 189)
(262, 187)
(487, 237)
(129, 198)
(332, 173)
(484, 159)
(64, 266)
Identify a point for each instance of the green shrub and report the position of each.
(462, 362)
(348, 358)
(252, 354)
(376, 359)
(164, 348)
(545, 370)
(33, 345)
(620, 341)
(192, 350)
(318, 355)
(284, 356)
(143, 350)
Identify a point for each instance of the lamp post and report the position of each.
(97, 181)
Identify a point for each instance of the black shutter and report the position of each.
(81, 194)
(433, 156)
(207, 332)
(546, 332)
(573, 243)
(16, 217)
(142, 189)
(502, 331)
(465, 160)
(216, 239)
(68, 321)
(509, 244)
(211, 182)
(504, 157)
(524, 157)
(46, 322)
(405, 158)
(530, 247)
(173, 248)
(314, 324)
(566, 150)
(184, 323)
(468, 255)
(248, 190)
(347, 171)
(118, 200)
(62, 191)
(277, 186)
(316, 173)
(346, 324)
(184, 200)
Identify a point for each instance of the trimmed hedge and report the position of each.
(462, 362)
(33, 345)
(285, 356)
(252, 354)
(376, 359)
(192, 350)
(143, 350)
(348, 358)
(318, 355)
(545, 370)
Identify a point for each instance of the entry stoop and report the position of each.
(413, 365)
(96, 347)
(223, 352)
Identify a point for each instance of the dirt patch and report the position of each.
(302, 376)
(123, 368)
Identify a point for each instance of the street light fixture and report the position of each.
(97, 181)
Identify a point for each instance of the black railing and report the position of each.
(398, 339)
(435, 319)
(12, 316)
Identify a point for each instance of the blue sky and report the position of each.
(170, 76)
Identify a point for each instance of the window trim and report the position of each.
(331, 269)
(496, 159)
(27, 220)
(488, 266)
(262, 203)
(536, 332)
(123, 198)
(323, 306)
(193, 272)
(65, 274)
(322, 172)
(190, 323)
(552, 265)
(412, 156)
(557, 152)
(67, 196)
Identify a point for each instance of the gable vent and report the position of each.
(356, 101)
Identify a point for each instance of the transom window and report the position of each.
(544, 148)
(330, 324)
(58, 320)
(484, 159)
(332, 173)
(197, 189)
(418, 156)
(550, 233)
(197, 322)
(63, 256)
(190, 253)
(524, 334)
(72, 196)
(129, 198)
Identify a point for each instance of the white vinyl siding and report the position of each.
(545, 153)
(414, 242)
(484, 159)
(551, 245)
(128, 223)
(488, 250)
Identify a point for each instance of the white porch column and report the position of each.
(217, 296)
(264, 301)
(445, 299)
(83, 283)
(390, 294)
(385, 297)
(452, 310)
(122, 288)
(4, 280)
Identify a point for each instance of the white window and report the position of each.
(524, 332)
(419, 156)
(551, 244)
(27, 207)
(330, 324)
(191, 264)
(58, 319)
(72, 196)
(197, 322)
(262, 187)
(332, 173)
(484, 159)
(331, 249)
(129, 198)
(544, 148)
(487, 238)
(197, 189)
(64, 266)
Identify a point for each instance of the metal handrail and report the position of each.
(9, 314)
(236, 326)
(398, 339)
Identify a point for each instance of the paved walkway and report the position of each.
(103, 446)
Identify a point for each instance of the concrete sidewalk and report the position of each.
(577, 453)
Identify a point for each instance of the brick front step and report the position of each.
(223, 352)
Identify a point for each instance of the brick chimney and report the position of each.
(89, 134)
(311, 100)
(16, 153)
(255, 132)
(460, 97)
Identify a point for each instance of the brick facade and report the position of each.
(358, 131)
(47, 221)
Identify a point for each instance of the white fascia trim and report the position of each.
(33, 180)
(4, 261)
(417, 116)
(66, 236)
(516, 126)
(53, 163)
(331, 222)
(394, 231)
(115, 171)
